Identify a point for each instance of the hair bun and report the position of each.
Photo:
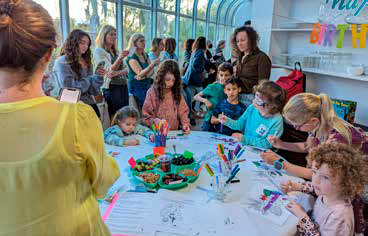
(7, 7)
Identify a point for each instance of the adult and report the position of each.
(193, 78)
(53, 162)
(169, 50)
(140, 69)
(74, 68)
(188, 44)
(315, 114)
(219, 53)
(210, 66)
(251, 64)
(157, 46)
(115, 86)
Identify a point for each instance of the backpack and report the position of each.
(294, 83)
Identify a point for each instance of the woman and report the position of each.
(251, 64)
(193, 78)
(50, 181)
(140, 69)
(219, 56)
(315, 114)
(74, 68)
(157, 47)
(188, 44)
(115, 87)
(169, 50)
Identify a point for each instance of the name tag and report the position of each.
(262, 130)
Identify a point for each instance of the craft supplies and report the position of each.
(160, 132)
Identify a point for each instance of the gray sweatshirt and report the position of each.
(89, 84)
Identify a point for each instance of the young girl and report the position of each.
(125, 124)
(338, 176)
(169, 50)
(165, 100)
(262, 118)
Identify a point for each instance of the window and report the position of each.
(165, 25)
(141, 2)
(223, 11)
(201, 9)
(168, 5)
(91, 15)
(186, 7)
(137, 20)
(184, 34)
(213, 10)
(200, 28)
(211, 33)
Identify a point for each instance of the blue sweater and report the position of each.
(193, 75)
(257, 128)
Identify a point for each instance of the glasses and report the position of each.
(297, 127)
(259, 101)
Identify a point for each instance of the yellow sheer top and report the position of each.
(53, 165)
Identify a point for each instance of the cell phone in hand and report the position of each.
(71, 95)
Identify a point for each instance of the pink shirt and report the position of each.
(167, 109)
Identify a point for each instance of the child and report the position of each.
(262, 118)
(214, 93)
(165, 99)
(339, 176)
(125, 124)
(230, 107)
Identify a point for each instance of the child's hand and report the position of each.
(156, 61)
(269, 157)
(290, 186)
(132, 142)
(222, 118)
(275, 141)
(152, 138)
(238, 136)
(186, 129)
(296, 209)
(208, 104)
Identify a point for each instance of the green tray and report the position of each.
(172, 186)
(134, 172)
(151, 156)
(145, 183)
(195, 167)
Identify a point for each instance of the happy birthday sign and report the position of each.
(325, 33)
(349, 5)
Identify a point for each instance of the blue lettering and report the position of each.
(364, 4)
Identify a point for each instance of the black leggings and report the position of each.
(95, 107)
(116, 97)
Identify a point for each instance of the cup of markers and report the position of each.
(160, 132)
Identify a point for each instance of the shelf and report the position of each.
(329, 73)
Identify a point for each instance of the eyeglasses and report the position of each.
(259, 101)
(297, 127)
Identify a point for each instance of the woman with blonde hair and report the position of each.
(169, 50)
(53, 162)
(140, 69)
(115, 87)
(157, 46)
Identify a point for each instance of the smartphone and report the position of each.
(132, 50)
(71, 95)
(101, 64)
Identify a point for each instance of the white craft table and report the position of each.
(199, 143)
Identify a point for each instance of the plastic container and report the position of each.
(195, 168)
(173, 186)
(149, 185)
(135, 172)
(165, 162)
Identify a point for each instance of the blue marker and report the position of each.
(234, 169)
(240, 153)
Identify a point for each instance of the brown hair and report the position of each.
(188, 44)
(253, 38)
(226, 66)
(273, 94)
(155, 44)
(27, 33)
(71, 51)
(169, 45)
(123, 113)
(345, 164)
(168, 66)
(101, 38)
(233, 81)
(199, 43)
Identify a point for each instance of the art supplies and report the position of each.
(160, 132)
(209, 170)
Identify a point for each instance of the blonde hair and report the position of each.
(101, 38)
(304, 106)
(133, 40)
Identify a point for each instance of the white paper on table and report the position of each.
(130, 213)
(174, 212)
(253, 204)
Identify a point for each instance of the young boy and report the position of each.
(214, 93)
(230, 107)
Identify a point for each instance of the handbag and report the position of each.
(294, 83)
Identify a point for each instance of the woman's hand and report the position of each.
(275, 141)
(186, 129)
(290, 186)
(101, 71)
(156, 61)
(269, 157)
(222, 118)
(123, 54)
(124, 72)
(132, 142)
(238, 136)
(296, 209)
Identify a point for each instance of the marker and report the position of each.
(209, 170)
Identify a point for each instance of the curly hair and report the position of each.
(71, 51)
(345, 164)
(253, 38)
(172, 67)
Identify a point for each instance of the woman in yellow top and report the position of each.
(53, 163)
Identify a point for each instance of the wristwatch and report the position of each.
(279, 164)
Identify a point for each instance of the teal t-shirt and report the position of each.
(257, 128)
(144, 65)
(215, 94)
